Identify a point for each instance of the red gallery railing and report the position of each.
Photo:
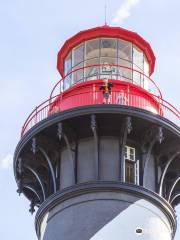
(114, 71)
(92, 96)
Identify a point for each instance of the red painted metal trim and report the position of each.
(86, 87)
(44, 110)
(105, 31)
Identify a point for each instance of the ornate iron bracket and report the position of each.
(38, 178)
(173, 187)
(96, 143)
(46, 157)
(35, 148)
(155, 135)
(34, 145)
(165, 171)
(20, 171)
(61, 134)
(32, 207)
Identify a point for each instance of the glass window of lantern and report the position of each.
(107, 69)
(78, 74)
(138, 66)
(92, 49)
(108, 47)
(146, 66)
(146, 72)
(124, 71)
(68, 64)
(67, 70)
(138, 58)
(125, 50)
(78, 55)
(91, 72)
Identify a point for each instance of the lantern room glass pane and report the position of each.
(146, 66)
(138, 58)
(78, 74)
(92, 73)
(138, 66)
(146, 72)
(78, 55)
(125, 50)
(109, 47)
(68, 64)
(92, 49)
(108, 70)
(68, 69)
(124, 72)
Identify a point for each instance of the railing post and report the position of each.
(159, 108)
(128, 96)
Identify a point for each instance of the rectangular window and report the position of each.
(92, 49)
(138, 66)
(131, 171)
(68, 64)
(130, 153)
(146, 71)
(78, 55)
(138, 59)
(108, 70)
(92, 72)
(124, 50)
(108, 47)
(125, 74)
(78, 74)
(67, 70)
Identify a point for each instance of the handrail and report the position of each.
(35, 112)
(111, 74)
(43, 111)
(176, 111)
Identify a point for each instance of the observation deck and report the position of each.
(115, 55)
(125, 92)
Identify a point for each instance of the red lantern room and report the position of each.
(121, 57)
(105, 65)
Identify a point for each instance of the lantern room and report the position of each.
(106, 52)
(116, 56)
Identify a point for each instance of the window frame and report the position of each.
(134, 161)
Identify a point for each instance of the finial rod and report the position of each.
(105, 11)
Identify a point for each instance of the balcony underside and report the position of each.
(46, 142)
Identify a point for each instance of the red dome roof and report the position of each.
(105, 31)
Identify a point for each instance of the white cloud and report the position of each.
(124, 11)
(6, 162)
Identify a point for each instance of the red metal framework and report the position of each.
(89, 93)
(110, 32)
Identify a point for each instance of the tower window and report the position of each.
(131, 166)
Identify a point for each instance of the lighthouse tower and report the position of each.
(101, 157)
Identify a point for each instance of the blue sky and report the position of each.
(31, 33)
